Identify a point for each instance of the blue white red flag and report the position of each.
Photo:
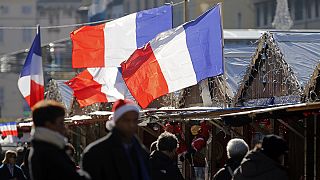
(31, 83)
(176, 59)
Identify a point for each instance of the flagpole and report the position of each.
(224, 63)
(186, 12)
(38, 28)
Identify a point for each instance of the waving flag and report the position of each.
(99, 85)
(8, 129)
(31, 83)
(109, 44)
(176, 59)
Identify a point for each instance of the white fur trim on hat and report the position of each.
(123, 109)
(237, 147)
(110, 123)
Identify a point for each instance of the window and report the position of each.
(138, 5)
(26, 35)
(258, 16)
(146, 4)
(309, 4)
(239, 20)
(4, 10)
(317, 2)
(265, 14)
(298, 9)
(1, 96)
(26, 10)
(155, 3)
(1, 35)
(273, 9)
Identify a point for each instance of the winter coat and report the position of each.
(257, 166)
(25, 170)
(226, 174)
(6, 175)
(164, 168)
(107, 159)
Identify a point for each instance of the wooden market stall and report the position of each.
(298, 124)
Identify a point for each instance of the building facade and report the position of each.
(16, 13)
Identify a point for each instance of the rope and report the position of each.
(67, 25)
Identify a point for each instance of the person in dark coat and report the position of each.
(265, 163)
(48, 159)
(118, 155)
(164, 159)
(236, 150)
(25, 165)
(9, 170)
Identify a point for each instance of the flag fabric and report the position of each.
(31, 83)
(97, 10)
(99, 85)
(8, 129)
(109, 44)
(176, 59)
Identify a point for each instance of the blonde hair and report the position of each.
(8, 153)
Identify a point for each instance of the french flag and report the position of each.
(176, 59)
(109, 44)
(31, 83)
(8, 129)
(99, 85)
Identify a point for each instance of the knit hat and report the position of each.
(119, 108)
(274, 146)
(237, 148)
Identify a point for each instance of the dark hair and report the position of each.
(167, 142)
(46, 111)
(274, 146)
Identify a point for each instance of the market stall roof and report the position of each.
(300, 51)
(284, 111)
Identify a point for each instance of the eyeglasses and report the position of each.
(13, 157)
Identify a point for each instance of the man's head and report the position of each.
(70, 150)
(49, 114)
(168, 143)
(274, 147)
(10, 157)
(125, 117)
(237, 148)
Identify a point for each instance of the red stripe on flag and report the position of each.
(36, 93)
(86, 90)
(88, 46)
(143, 76)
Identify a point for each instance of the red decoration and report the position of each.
(175, 128)
(200, 140)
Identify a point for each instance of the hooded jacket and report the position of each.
(257, 166)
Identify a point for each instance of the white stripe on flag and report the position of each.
(120, 40)
(171, 51)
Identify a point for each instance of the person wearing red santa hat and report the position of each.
(118, 155)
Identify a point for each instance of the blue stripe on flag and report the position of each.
(35, 49)
(204, 42)
(151, 22)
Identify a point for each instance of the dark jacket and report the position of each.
(224, 173)
(257, 166)
(25, 170)
(107, 159)
(6, 175)
(47, 161)
(164, 168)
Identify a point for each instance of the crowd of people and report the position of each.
(121, 156)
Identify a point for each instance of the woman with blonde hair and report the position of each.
(9, 170)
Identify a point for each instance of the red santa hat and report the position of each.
(119, 108)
